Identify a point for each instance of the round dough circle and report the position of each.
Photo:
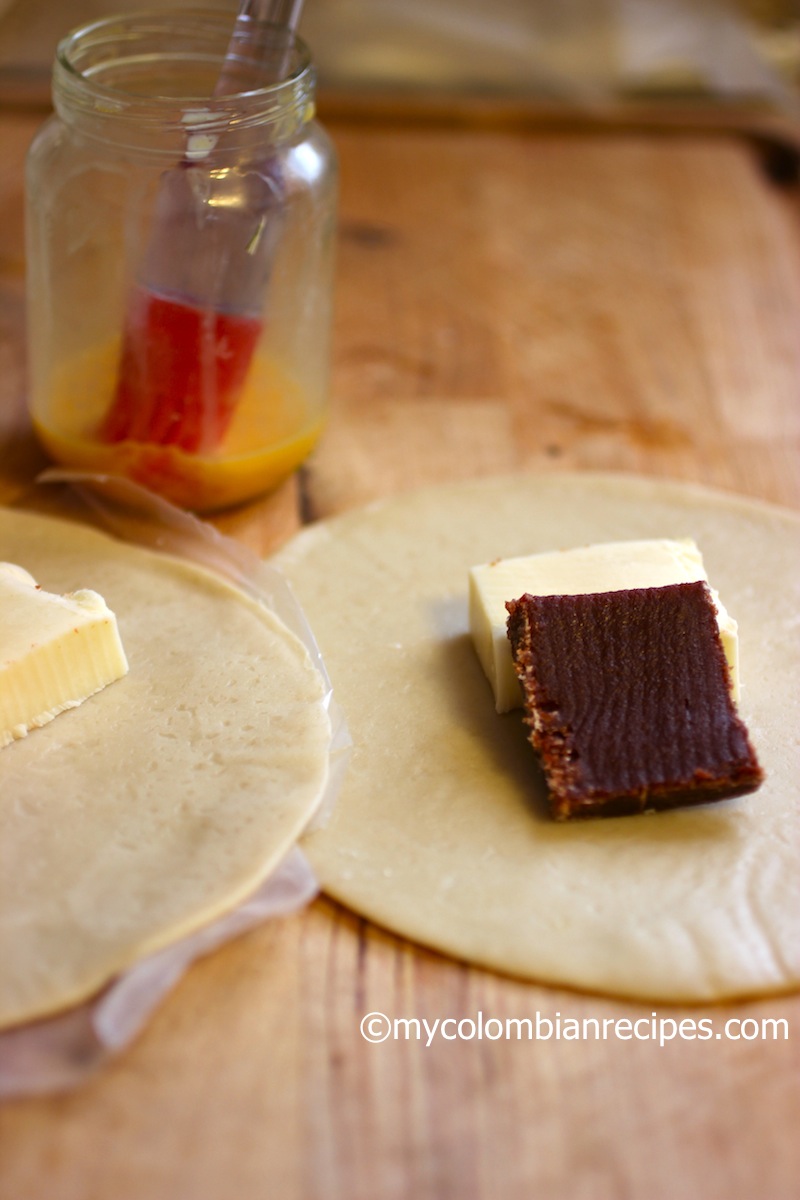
(164, 800)
(440, 832)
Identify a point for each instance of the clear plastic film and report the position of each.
(581, 52)
(59, 1053)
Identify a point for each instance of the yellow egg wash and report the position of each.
(273, 429)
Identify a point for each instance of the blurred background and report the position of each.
(573, 52)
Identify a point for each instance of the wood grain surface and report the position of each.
(504, 301)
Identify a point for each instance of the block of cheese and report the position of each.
(605, 567)
(55, 651)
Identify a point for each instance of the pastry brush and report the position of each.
(194, 315)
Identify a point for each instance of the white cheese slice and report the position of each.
(607, 567)
(55, 651)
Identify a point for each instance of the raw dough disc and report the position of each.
(440, 833)
(166, 798)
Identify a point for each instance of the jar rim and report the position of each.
(82, 54)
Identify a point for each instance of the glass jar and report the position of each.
(179, 247)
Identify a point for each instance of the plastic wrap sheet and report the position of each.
(61, 1052)
(582, 52)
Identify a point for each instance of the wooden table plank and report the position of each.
(504, 301)
(511, 302)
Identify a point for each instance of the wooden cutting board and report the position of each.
(505, 300)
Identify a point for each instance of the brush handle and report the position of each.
(247, 63)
